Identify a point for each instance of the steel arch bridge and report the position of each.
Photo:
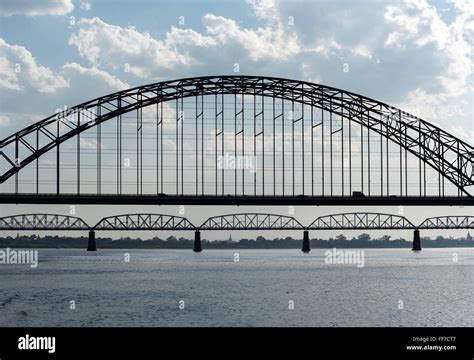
(366, 221)
(235, 140)
(42, 222)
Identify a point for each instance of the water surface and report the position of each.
(394, 288)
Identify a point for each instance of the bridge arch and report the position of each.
(251, 221)
(144, 222)
(448, 222)
(361, 220)
(449, 156)
(42, 222)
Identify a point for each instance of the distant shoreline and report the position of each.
(361, 242)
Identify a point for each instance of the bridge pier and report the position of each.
(306, 247)
(91, 245)
(197, 241)
(416, 241)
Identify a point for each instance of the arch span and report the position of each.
(449, 156)
(251, 221)
(42, 222)
(361, 220)
(144, 222)
(448, 222)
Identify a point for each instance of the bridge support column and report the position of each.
(197, 241)
(306, 247)
(416, 240)
(91, 245)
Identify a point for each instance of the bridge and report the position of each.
(448, 222)
(235, 140)
(242, 221)
(365, 221)
(42, 222)
(361, 221)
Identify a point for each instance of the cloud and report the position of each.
(188, 37)
(36, 7)
(464, 134)
(265, 9)
(85, 5)
(85, 75)
(8, 77)
(124, 48)
(116, 47)
(90, 144)
(4, 120)
(447, 95)
(409, 56)
(18, 67)
(269, 42)
(419, 24)
(83, 84)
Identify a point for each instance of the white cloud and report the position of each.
(90, 144)
(362, 50)
(8, 77)
(188, 37)
(465, 6)
(327, 47)
(462, 133)
(419, 24)
(36, 7)
(269, 42)
(409, 54)
(4, 120)
(85, 5)
(83, 84)
(264, 9)
(115, 46)
(440, 109)
(18, 67)
(110, 82)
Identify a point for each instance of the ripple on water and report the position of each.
(256, 291)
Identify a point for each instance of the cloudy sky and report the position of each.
(416, 55)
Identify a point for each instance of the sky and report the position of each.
(416, 55)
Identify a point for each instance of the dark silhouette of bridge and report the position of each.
(448, 222)
(361, 221)
(42, 222)
(235, 140)
(243, 221)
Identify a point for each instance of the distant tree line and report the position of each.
(361, 241)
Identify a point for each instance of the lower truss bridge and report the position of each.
(242, 221)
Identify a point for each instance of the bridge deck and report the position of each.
(112, 199)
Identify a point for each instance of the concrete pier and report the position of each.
(306, 247)
(416, 241)
(91, 245)
(197, 241)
